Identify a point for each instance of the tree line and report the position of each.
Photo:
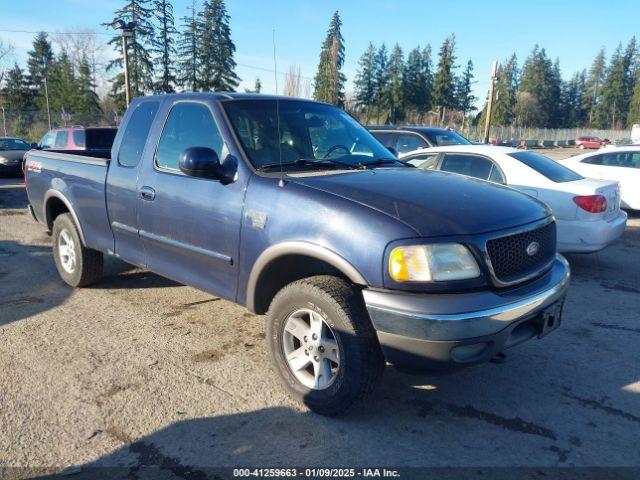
(196, 53)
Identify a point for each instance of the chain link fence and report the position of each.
(515, 134)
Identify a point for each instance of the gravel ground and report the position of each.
(141, 371)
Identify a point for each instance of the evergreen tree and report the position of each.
(216, 49)
(541, 79)
(506, 89)
(444, 80)
(140, 63)
(418, 81)
(329, 81)
(594, 84)
(381, 81)
(617, 88)
(634, 107)
(364, 83)
(88, 102)
(62, 86)
(17, 97)
(164, 48)
(40, 59)
(188, 50)
(573, 113)
(395, 93)
(464, 98)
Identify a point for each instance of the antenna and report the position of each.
(275, 74)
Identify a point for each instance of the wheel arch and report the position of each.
(55, 203)
(287, 262)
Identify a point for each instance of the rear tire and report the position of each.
(77, 265)
(355, 366)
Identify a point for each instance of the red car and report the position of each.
(589, 142)
(75, 138)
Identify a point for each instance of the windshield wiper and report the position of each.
(384, 161)
(303, 162)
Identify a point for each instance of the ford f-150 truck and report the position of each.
(291, 208)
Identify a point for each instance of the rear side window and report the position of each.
(79, 138)
(470, 165)
(546, 167)
(189, 124)
(135, 136)
(384, 138)
(443, 139)
(62, 138)
(408, 143)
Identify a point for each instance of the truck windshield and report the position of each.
(304, 135)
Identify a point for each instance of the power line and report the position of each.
(56, 33)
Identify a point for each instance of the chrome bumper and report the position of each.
(436, 324)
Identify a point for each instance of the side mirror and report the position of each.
(34, 145)
(203, 162)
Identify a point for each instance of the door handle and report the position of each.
(147, 193)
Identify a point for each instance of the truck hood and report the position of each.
(432, 203)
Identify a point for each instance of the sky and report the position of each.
(571, 30)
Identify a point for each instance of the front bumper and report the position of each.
(424, 331)
(581, 236)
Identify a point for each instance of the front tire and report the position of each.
(323, 345)
(77, 265)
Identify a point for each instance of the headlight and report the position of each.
(438, 262)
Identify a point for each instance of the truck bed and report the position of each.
(74, 181)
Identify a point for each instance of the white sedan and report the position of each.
(615, 163)
(587, 210)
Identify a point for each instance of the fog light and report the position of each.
(466, 353)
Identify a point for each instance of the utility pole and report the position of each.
(4, 121)
(125, 54)
(127, 29)
(492, 84)
(46, 97)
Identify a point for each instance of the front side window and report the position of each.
(302, 135)
(408, 143)
(135, 135)
(446, 138)
(470, 165)
(189, 124)
(62, 138)
(546, 167)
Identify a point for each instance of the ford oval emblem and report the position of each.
(533, 248)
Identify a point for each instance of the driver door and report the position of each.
(191, 226)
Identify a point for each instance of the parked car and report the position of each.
(404, 139)
(291, 208)
(587, 210)
(620, 163)
(75, 138)
(590, 142)
(11, 152)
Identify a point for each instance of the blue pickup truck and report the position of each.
(291, 208)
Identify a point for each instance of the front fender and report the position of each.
(277, 251)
